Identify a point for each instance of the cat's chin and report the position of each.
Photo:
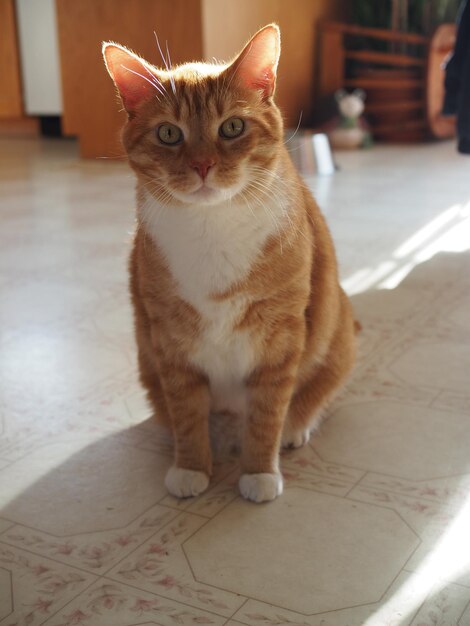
(203, 195)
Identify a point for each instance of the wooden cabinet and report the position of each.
(11, 103)
(90, 108)
(194, 30)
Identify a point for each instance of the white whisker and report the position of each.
(269, 193)
(158, 84)
(172, 80)
(242, 194)
(151, 82)
(166, 62)
(267, 211)
(161, 52)
(296, 129)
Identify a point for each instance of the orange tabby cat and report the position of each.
(233, 273)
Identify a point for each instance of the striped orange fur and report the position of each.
(234, 280)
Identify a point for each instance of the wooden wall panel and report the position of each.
(11, 102)
(228, 24)
(90, 104)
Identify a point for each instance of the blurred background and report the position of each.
(54, 81)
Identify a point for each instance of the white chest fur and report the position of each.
(208, 249)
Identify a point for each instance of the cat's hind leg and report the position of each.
(309, 402)
(151, 383)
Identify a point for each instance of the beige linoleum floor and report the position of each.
(373, 528)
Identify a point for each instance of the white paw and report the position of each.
(294, 438)
(184, 483)
(260, 487)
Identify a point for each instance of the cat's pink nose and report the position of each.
(202, 166)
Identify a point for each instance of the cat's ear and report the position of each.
(131, 75)
(256, 65)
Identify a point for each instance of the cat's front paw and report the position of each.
(184, 483)
(260, 487)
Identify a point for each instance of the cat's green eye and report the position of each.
(231, 128)
(169, 134)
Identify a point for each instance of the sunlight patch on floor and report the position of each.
(448, 561)
(449, 232)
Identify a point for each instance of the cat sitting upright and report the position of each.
(234, 278)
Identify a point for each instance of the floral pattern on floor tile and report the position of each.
(307, 460)
(440, 526)
(444, 606)
(108, 602)
(39, 586)
(315, 483)
(426, 518)
(160, 566)
(441, 489)
(94, 552)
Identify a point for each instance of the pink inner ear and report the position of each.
(257, 64)
(264, 81)
(132, 78)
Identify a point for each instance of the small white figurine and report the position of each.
(350, 129)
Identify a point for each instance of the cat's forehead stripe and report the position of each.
(197, 100)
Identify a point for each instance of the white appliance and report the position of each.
(39, 54)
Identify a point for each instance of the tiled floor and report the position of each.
(373, 527)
